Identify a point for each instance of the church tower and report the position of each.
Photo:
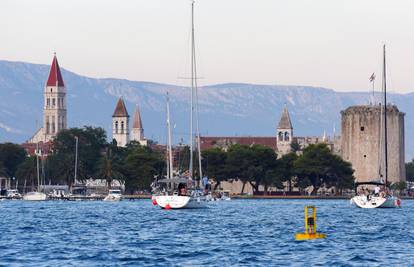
(284, 133)
(120, 124)
(137, 132)
(54, 115)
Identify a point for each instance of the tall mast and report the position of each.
(37, 166)
(384, 84)
(170, 162)
(76, 159)
(192, 91)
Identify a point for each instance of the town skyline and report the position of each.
(148, 40)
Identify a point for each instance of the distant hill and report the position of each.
(225, 109)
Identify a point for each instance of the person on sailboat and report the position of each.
(377, 190)
(205, 184)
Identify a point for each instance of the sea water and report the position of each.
(228, 233)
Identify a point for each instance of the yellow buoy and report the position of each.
(310, 225)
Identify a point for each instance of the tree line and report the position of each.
(134, 164)
(259, 165)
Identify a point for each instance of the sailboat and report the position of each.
(173, 192)
(36, 195)
(379, 199)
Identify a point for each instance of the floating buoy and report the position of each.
(167, 207)
(154, 201)
(310, 226)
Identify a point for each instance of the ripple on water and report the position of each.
(239, 232)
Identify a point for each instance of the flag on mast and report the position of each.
(372, 78)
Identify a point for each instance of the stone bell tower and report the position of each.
(120, 124)
(284, 133)
(54, 111)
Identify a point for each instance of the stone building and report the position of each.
(120, 124)
(362, 142)
(54, 108)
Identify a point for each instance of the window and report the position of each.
(116, 127)
(362, 128)
(287, 137)
(48, 102)
(53, 101)
(122, 127)
(51, 90)
(280, 136)
(365, 156)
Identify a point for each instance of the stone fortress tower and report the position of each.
(362, 142)
(120, 124)
(54, 108)
(284, 133)
(137, 132)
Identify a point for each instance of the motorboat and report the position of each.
(13, 194)
(113, 195)
(35, 196)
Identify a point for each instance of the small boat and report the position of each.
(13, 194)
(113, 195)
(34, 196)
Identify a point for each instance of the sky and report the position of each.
(329, 43)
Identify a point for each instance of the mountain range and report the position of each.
(228, 109)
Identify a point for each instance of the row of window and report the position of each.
(121, 130)
(284, 136)
(51, 102)
(51, 124)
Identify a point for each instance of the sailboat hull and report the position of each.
(180, 202)
(376, 202)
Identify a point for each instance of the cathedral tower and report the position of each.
(120, 124)
(54, 115)
(284, 133)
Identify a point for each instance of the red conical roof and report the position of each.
(120, 110)
(55, 77)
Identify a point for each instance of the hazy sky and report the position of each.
(329, 43)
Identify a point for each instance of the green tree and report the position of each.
(214, 165)
(91, 143)
(294, 146)
(141, 165)
(409, 169)
(11, 156)
(286, 169)
(109, 167)
(318, 165)
(27, 172)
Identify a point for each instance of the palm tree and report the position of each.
(108, 168)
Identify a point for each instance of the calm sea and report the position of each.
(228, 233)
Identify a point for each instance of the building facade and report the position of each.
(137, 131)
(362, 142)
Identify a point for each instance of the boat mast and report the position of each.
(170, 162)
(196, 100)
(192, 91)
(76, 159)
(37, 166)
(384, 84)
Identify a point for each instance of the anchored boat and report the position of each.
(381, 198)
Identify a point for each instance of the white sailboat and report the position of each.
(175, 194)
(379, 199)
(36, 195)
(183, 192)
